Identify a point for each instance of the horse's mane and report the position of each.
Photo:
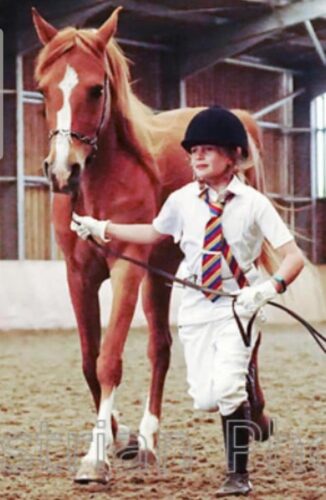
(130, 115)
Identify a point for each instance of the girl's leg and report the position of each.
(231, 363)
(236, 428)
(199, 351)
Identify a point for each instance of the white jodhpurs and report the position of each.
(217, 364)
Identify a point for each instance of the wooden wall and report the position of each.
(8, 181)
(311, 221)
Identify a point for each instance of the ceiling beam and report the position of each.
(277, 104)
(318, 46)
(229, 41)
(160, 11)
(77, 13)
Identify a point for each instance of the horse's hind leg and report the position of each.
(262, 424)
(156, 301)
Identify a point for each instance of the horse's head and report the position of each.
(72, 74)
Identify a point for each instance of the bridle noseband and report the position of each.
(85, 139)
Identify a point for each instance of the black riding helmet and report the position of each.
(216, 126)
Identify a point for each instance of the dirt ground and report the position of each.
(47, 416)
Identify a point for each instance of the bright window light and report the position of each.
(318, 146)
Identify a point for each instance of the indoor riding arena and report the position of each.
(82, 323)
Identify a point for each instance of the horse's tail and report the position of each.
(253, 168)
(253, 172)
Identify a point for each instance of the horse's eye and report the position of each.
(96, 91)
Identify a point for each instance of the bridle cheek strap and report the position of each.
(86, 139)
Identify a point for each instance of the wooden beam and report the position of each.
(229, 41)
(317, 44)
(280, 102)
(77, 12)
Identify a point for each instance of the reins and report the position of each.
(245, 333)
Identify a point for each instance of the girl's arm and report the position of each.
(105, 230)
(254, 297)
(292, 263)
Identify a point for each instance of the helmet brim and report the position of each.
(187, 145)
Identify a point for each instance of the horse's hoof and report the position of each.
(130, 450)
(146, 457)
(93, 472)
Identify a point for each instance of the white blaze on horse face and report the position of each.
(149, 426)
(62, 144)
(102, 437)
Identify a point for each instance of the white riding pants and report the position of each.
(217, 364)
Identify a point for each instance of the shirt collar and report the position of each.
(235, 186)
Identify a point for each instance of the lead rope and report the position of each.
(245, 334)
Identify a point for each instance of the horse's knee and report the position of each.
(109, 370)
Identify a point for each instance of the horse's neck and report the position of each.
(114, 180)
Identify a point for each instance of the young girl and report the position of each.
(220, 224)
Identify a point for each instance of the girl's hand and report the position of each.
(88, 226)
(254, 297)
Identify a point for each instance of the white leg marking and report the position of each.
(148, 427)
(70, 80)
(102, 432)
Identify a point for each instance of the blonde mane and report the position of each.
(130, 115)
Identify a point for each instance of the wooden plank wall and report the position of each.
(37, 196)
(8, 187)
(304, 217)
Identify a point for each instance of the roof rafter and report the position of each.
(77, 12)
(230, 41)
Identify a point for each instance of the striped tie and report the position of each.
(215, 246)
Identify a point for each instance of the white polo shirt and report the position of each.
(247, 219)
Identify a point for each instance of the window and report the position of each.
(318, 146)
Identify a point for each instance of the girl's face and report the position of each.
(210, 163)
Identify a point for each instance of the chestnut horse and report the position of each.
(118, 160)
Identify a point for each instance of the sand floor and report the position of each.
(46, 417)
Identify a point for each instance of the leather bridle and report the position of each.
(86, 139)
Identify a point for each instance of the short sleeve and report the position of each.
(271, 224)
(169, 220)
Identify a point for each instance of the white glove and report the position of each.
(88, 226)
(254, 297)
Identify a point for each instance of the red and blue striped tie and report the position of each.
(215, 246)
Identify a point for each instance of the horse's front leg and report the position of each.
(84, 281)
(125, 279)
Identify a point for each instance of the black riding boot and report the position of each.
(236, 428)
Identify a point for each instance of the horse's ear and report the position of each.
(44, 30)
(108, 29)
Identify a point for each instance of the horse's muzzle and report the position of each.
(63, 181)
